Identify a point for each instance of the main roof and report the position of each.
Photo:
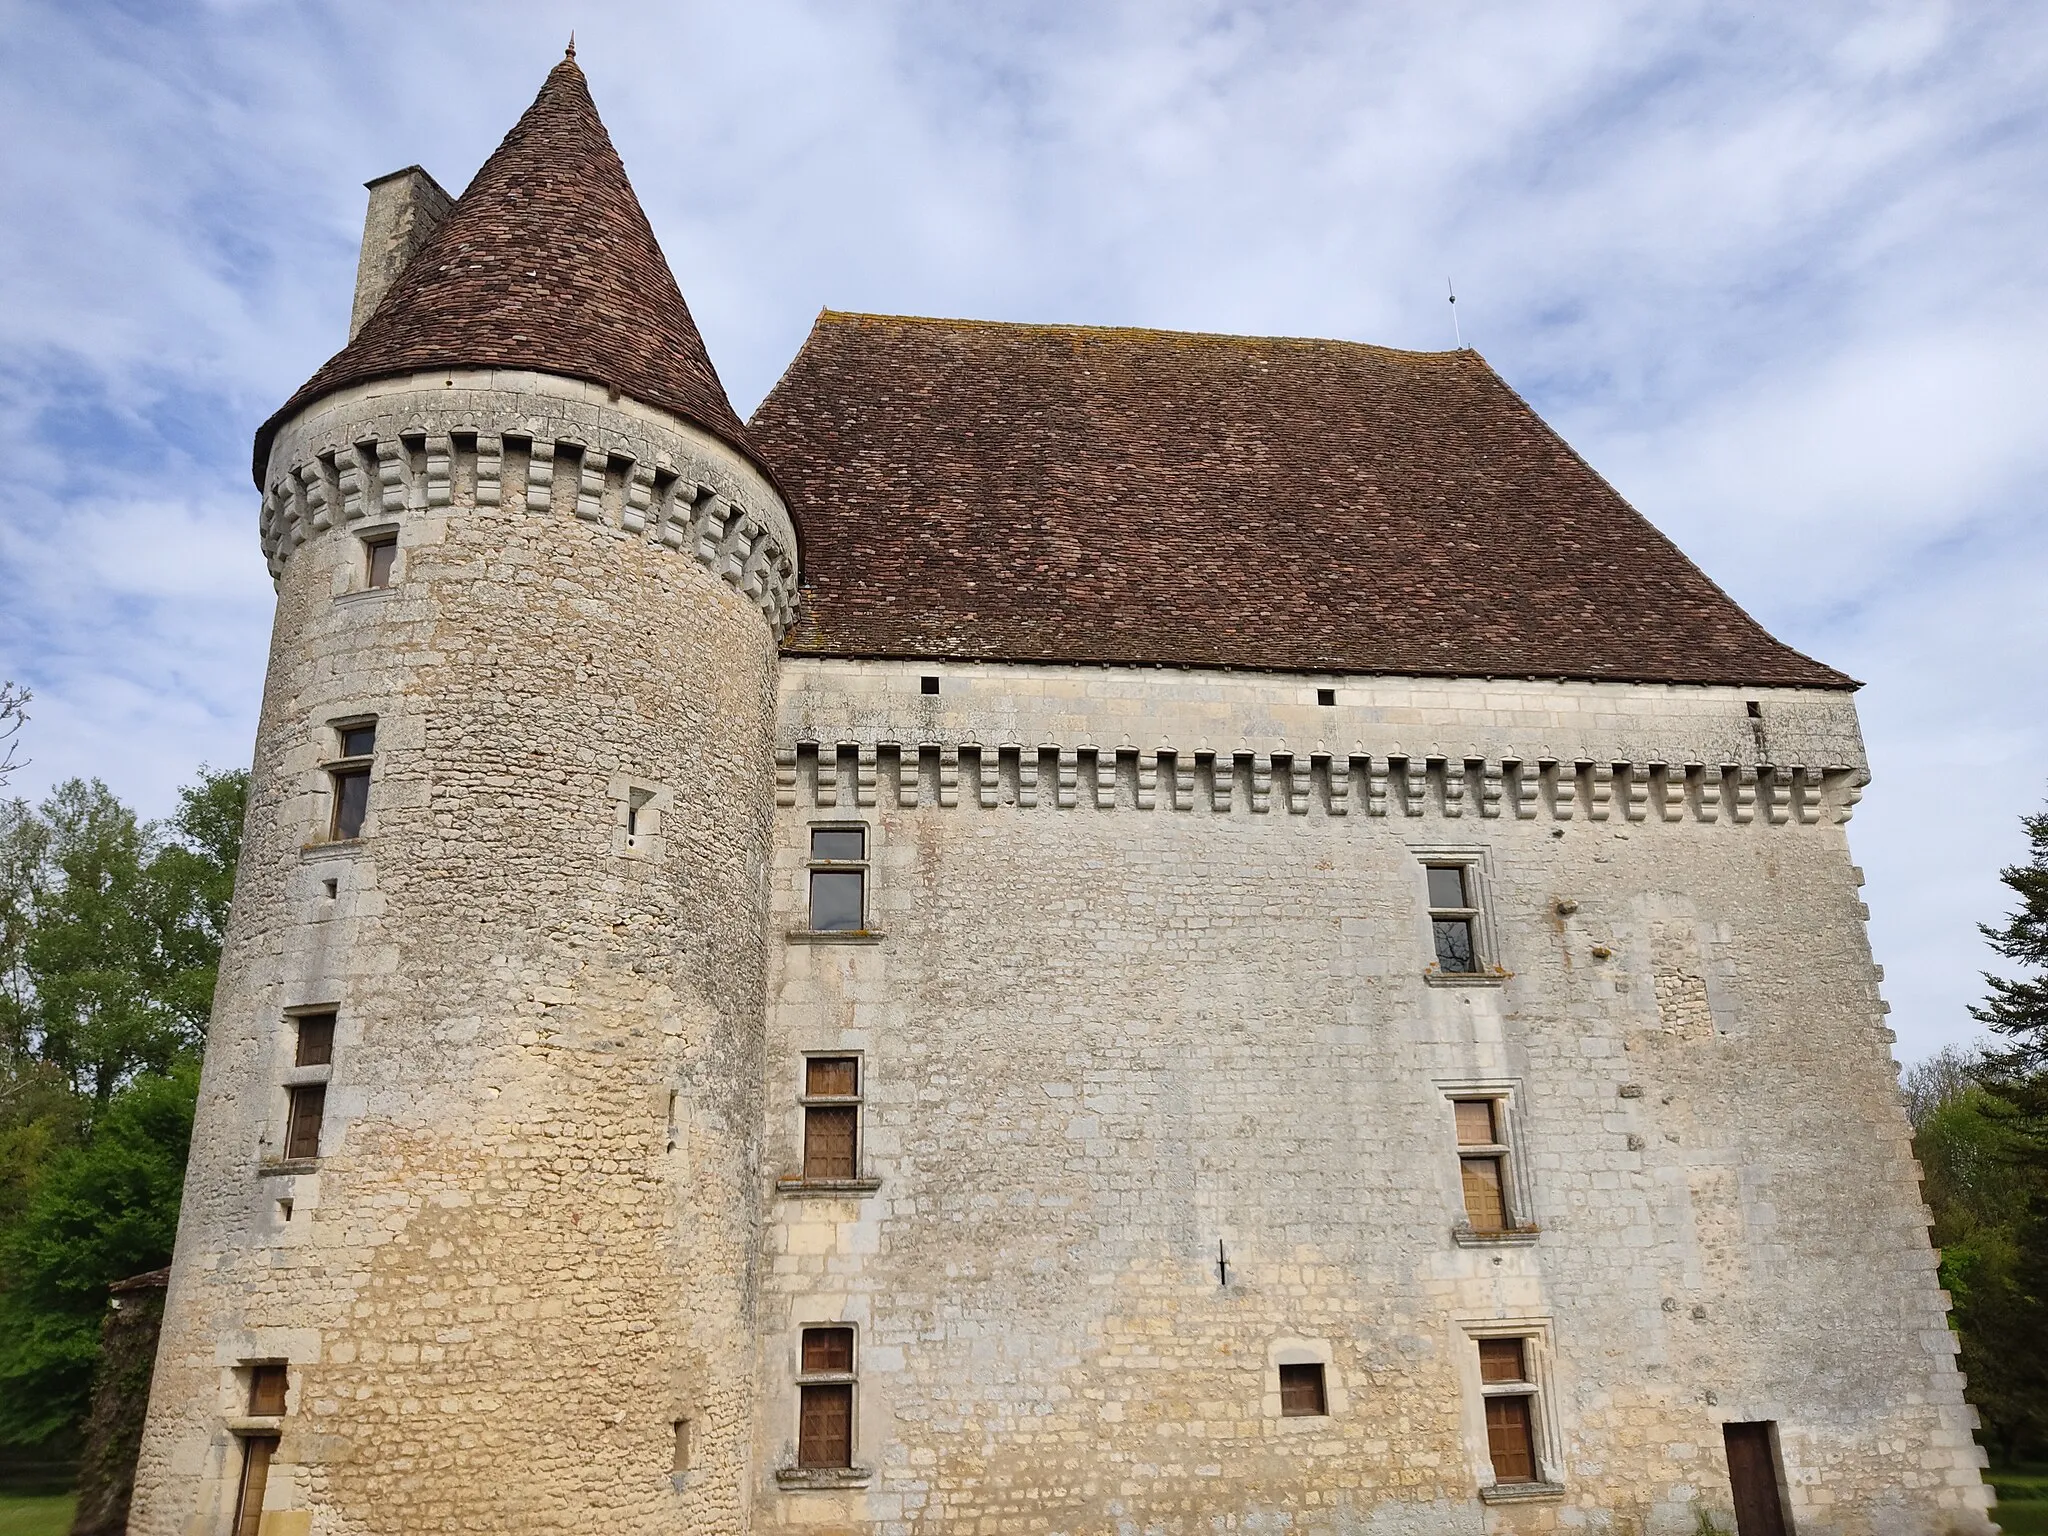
(546, 262)
(979, 491)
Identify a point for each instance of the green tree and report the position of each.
(110, 934)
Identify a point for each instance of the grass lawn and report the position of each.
(2022, 1500)
(40, 1514)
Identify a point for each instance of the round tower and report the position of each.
(472, 1206)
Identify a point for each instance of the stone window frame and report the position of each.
(1538, 1353)
(863, 1181)
(1300, 1350)
(291, 1076)
(1477, 863)
(867, 933)
(1516, 1187)
(791, 1475)
(335, 765)
(369, 539)
(246, 1430)
(639, 812)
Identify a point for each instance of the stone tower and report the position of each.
(473, 1203)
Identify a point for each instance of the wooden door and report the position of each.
(1753, 1475)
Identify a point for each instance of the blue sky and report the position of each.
(1776, 270)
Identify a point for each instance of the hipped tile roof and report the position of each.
(994, 492)
(546, 262)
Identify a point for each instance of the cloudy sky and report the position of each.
(1776, 270)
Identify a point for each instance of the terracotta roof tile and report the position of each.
(546, 262)
(1075, 494)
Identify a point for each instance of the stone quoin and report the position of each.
(1069, 930)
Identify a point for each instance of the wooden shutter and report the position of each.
(266, 1391)
(1301, 1392)
(256, 1451)
(830, 1134)
(302, 1134)
(1502, 1360)
(316, 1040)
(1485, 1203)
(1476, 1123)
(825, 1431)
(827, 1349)
(1753, 1478)
(832, 1077)
(1511, 1439)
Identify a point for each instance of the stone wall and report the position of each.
(1150, 972)
(524, 1250)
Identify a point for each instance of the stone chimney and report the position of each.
(405, 208)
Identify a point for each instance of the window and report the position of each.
(256, 1451)
(316, 1040)
(1302, 1394)
(1327, 697)
(267, 1385)
(302, 1125)
(381, 555)
(839, 879)
(637, 802)
(1753, 1476)
(350, 775)
(824, 1436)
(831, 1103)
(1506, 1381)
(1454, 918)
(1483, 1163)
(682, 1456)
(927, 685)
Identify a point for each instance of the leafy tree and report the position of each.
(110, 934)
(102, 1211)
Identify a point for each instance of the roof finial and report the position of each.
(570, 51)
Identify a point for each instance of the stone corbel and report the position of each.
(1340, 785)
(864, 773)
(1564, 789)
(540, 475)
(1067, 792)
(490, 469)
(1599, 791)
(440, 471)
(1414, 785)
(1376, 770)
(1490, 789)
(1742, 806)
(1262, 782)
(949, 776)
(639, 497)
(828, 774)
(785, 776)
(1454, 786)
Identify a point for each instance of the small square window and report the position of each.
(316, 1040)
(1503, 1360)
(1302, 1393)
(839, 843)
(1327, 697)
(382, 556)
(927, 685)
(267, 1391)
(358, 740)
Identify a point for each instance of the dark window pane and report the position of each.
(383, 555)
(1501, 1360)
(927, 685)
(839, 843)
(1447, 886)
(358, 740)
(255, 1479)
(351, 803)
(316, 1040)
(266, 1391)
(302, 1132)
(1485, 1202)
(1511, 1438)
(827, 1349)
(1475, 1123)
(831, 1076)
(825, 1428)
(682, 1456)
(829, 1132)
(836, 900)
(1454, 944)
(1301, 1392)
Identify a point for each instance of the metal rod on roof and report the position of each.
(1456, 334)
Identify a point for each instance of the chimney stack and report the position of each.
(405, 208)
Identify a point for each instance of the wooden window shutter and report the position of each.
(830, 1136)
(1502, 1360)
(267, 1391)
(256, 1450)
(825, 1431)
(302, 1132)
(1511, 1439)
(1302, 1393)
(827, 1349)
(1485, 1200)
(831, 1077)
(1476, 1123)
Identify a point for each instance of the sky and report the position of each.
(1774, 270)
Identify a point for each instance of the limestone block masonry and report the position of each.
(524, 1248)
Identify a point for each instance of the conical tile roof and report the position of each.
(546, 262)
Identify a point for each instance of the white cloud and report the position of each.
(1775, 270)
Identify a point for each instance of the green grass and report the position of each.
(2022, 1499)
(38, 1514)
